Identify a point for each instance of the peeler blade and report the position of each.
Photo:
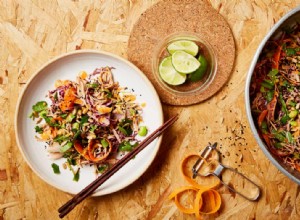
(204, 154)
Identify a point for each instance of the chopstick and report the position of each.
(88, 190)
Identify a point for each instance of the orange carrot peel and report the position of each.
(207, 200)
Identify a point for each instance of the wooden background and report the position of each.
(34, 31)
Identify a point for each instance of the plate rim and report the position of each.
(87, 51)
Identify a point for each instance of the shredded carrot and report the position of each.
(69, 98)
(179, 192)
(83, 74)
(58, 118)
(80, 150)
(78, 101)
(53, 132)
(93, 146)
(276, 58)
(262, 116)
(207, 200)
(267, 139)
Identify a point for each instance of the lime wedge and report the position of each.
(184, 62)
(169, 74)
(184, 45)
(199, 73)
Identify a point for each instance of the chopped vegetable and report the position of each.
(125, 146)
(125, 126)
(55, 168)
(60, 138)
(71, 161)
(38, 129)
(143, 131)
(104, 143)
(293, 113)
(101, 168)
(66, 147)
(76, 175)
(84, 119)
(40, 106)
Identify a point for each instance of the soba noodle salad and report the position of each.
(275, 96)
(89, 121)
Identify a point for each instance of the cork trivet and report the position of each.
(174, 16)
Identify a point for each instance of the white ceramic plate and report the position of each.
(67, 67)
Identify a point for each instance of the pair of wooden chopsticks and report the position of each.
(88, 190)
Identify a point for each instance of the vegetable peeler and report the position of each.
(214, 167)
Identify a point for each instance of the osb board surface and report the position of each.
(32, 32)
(182, 18)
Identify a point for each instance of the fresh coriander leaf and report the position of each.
(71, 161)
(43, 113)
(55, 168)
(50, 121)
(84, 119)
(40, 106)
(38, 129)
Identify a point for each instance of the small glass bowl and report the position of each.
(188, 87)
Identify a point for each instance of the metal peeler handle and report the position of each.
(218, 173)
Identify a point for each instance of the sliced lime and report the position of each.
(184, 62)
(169, 74)
(184, 45)
(199, 73)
